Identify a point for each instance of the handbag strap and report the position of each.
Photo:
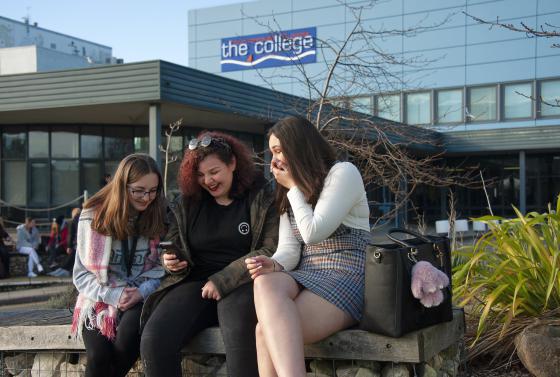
(406, 231)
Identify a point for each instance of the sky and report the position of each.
(137, 30)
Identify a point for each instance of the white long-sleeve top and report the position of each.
(342, 201)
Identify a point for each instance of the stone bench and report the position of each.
(48, 330)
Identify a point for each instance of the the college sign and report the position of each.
(269, 50)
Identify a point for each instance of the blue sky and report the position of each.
(136, 29)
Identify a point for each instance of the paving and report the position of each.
(20, 293)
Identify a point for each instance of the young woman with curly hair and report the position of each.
(224, 215)
(313, 285)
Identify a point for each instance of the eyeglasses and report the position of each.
(206, 141)
(140, 194)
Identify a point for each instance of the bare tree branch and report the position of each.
(543, 31)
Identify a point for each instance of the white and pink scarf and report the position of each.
(94, 250)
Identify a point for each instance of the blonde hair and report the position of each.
(112, 205)
(76, 211)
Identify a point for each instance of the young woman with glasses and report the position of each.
(224, 215)
(117, 264)
(313, 285)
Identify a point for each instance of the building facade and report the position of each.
(491, 91)
(26, 47)
(62, 131)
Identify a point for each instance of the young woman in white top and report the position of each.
(313, 285)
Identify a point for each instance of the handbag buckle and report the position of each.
(412, 254)
(439, 253)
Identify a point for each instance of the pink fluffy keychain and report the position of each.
(427, 284)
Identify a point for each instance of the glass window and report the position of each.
(517, 101)
(361, 104)
(111, 167)
(38, 144)
(482, 104)
(93, 177)
(418, 108)
(39, 186)
(550, 94)
(65, 184)
(450, 106)
(543, 181)
(389, 107)
(141, 140)
(13, 143)
(91, 142)
(118, 142)
(141, 144)
(15, 182)
(65, 142)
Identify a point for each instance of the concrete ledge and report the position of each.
(50, 330)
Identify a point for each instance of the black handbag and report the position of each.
(389, 307)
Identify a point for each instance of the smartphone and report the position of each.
(168, 247)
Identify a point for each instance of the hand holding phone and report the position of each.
(171, 257)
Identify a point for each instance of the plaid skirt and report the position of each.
(334, 268)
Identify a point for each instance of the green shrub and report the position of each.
(511, 273)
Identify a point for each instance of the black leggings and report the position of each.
(114, 359)
(182, 313)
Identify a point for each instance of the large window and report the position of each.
(389, 107)
(65, 181)
(118, 143)
(14, 182)
(450, 106)
(482, 104)
(13, 143)
(39, 185)
(93, 175)
(543, 181)
(92, 142)
(550, 98)
(517, 100)
(501, 176)
(38, 144)
(65, 142)
(418, 108)
(361, 104)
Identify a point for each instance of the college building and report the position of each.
(74, 112)
(478, 86)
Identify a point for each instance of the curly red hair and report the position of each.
(243, 176)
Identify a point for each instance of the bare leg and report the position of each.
(289, 319)
(280, 323)
(266, 367)
(320, 318)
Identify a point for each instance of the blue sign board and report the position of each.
(269, 50)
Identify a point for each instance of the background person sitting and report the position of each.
(58, 240)
(4, 252)
(67, 265)
(28, 241)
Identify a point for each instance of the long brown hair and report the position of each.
(112, 205)
(228, 148)
(309, 157)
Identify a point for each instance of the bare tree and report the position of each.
(547, 31)
(170, 157)
(542, 31)
(389, 154)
